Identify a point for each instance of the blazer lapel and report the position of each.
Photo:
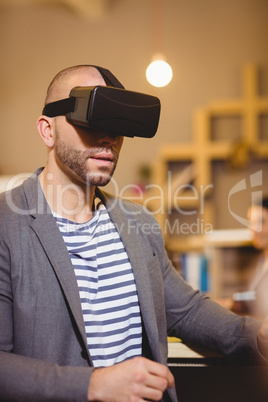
(50, 237)
(137, 258)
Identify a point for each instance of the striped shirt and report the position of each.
(106, 286)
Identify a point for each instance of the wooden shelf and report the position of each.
(195, 178)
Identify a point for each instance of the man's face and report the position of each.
(92, 160)
(89, 156)
(258, 217)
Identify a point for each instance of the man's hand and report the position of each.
(263, 338)
(136, 380)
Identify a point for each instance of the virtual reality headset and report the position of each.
(106, 108)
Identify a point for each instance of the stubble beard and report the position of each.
(76, 161)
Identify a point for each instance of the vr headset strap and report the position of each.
(109, 78)
(59, 108)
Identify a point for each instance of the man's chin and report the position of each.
(103, 184)
(99, 180)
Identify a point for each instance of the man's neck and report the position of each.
(73, 201)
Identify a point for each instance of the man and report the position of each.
(69, 260)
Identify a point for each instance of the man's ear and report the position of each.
(44, 127)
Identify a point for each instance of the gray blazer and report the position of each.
(43, 347)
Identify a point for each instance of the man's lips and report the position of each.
(103, 158)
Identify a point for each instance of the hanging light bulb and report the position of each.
(159, 73)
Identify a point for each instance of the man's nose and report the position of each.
(106, 139)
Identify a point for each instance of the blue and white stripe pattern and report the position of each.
(106, 286)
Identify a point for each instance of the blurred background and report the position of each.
(208, 43)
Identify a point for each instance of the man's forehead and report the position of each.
(81, 79)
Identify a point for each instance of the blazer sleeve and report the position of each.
(196, 319)
(27, 379)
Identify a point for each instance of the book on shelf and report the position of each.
(194, 269)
